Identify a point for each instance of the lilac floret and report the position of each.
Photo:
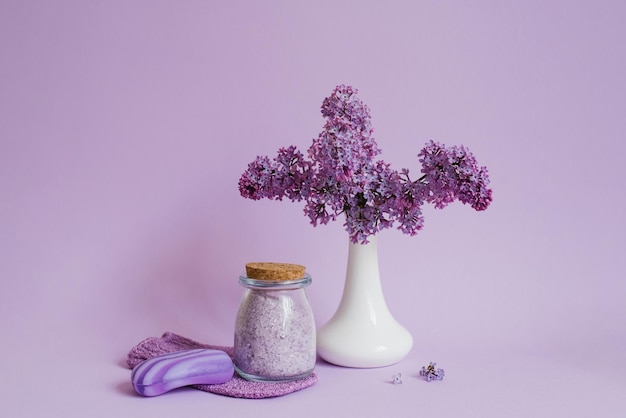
(430, 372)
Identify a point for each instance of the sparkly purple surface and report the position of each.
(236, 387)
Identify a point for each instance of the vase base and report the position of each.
(367, 350)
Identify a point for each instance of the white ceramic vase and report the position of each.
(362, 333)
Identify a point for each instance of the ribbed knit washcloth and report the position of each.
(237, 387)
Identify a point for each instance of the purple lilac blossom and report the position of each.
(343, 177)
(453, 173)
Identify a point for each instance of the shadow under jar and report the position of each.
(275, 328)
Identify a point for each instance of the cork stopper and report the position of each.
(274, 271)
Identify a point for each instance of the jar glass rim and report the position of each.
(275, 284)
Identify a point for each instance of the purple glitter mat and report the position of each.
(237, 387)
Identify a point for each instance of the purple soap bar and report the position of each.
(163, 373)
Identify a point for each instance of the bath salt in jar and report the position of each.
(275, 329)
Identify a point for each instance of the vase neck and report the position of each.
(363, 258)
(362, 292)
(362, 271)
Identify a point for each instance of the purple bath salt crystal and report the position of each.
(274, 338)
(163, 373)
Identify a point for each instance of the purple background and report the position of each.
(124, 127)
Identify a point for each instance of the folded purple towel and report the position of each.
(237, 387)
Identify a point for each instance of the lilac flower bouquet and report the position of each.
(342, 176)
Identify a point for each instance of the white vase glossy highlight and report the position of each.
(362, 333)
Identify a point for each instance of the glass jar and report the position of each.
(275, 330)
